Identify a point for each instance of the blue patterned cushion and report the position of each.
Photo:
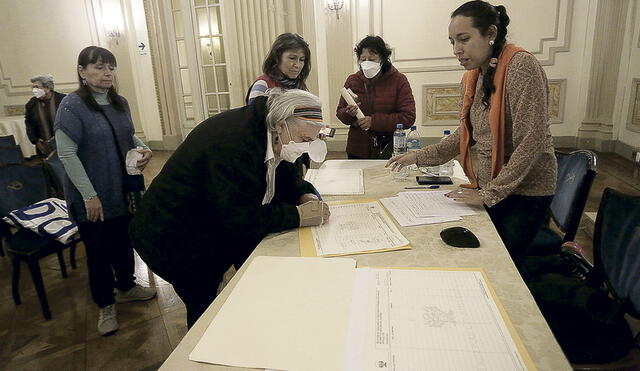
(48, 218)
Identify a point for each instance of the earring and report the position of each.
(493, 62)
(276, 139)
(84, 82)
(491, 42)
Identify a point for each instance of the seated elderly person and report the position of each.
(225, 188)
(40, 112)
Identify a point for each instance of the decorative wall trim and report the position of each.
(24, 89)
(633, 121)
(557, 94)
(454, 66)
(14, 110)
(440, 103)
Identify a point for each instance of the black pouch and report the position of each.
(380, 147)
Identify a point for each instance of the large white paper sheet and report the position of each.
(336, 181)
(406, 218)
(427, 320)
(434, 203)
(285, 313)
(355, 228)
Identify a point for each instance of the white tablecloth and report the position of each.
(14, 125)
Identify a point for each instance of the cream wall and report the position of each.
(627, 117)
(45, 36)
(560, 33)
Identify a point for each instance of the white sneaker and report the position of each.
(136, 293)
(107, 322)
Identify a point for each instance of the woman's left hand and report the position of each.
(466, 195)
(364, 123)
(307, 197)
(144, 161)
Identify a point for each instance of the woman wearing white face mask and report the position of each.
(40, 112)
(230, 183)
(385, 98)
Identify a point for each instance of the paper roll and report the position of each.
(349, 99)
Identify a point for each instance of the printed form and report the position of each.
(406, 218)
(434, 203)
(336, 181)
(357, 228)
(427, 320)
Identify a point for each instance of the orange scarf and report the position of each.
(497, 115)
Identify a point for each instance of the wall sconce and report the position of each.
(112, 20)
(336, 6)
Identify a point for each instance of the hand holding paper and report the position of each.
(349, 99)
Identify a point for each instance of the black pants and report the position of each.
(109, 258)
(198, 290)
(517, 219)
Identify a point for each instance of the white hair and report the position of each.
(282, 102)
(46, 80)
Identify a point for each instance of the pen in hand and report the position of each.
(424, 187)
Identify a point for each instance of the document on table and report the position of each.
(336, 181)
(354, 228)
(285, 313)
(406, 319)
(434, 203)
(406, 218)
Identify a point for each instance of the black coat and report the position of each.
(32, 119)
(204, 210)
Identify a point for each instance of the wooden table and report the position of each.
(428, 251)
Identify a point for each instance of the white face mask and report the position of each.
(317, 149)
(370, 69)
(38, 93)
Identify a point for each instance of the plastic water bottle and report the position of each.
(399, 148)
(446, 169)
(413, 144)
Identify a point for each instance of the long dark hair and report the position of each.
(484, 15)
(379, 47)
(93, 54)
(284, 42)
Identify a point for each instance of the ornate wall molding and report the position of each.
(440, 102)
(545, 46)
(557, 94)
(633, 121)
(23, 88)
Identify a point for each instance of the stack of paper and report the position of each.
(353, 228)
(336, 181)
(324, 314)
(425, 207)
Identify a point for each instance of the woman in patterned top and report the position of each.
(504, 115)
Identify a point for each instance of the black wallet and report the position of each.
(425, 179)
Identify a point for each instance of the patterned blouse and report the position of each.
(530, 165)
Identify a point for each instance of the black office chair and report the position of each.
(20, 186)
(576, 171)
(616, 268)
(10, 154)
(7, 141)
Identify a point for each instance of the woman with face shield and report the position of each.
(383, 95)
(229, 184)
